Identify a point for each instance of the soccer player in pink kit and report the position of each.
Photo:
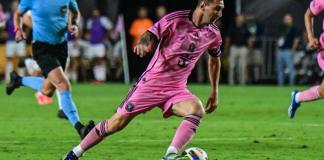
(181, 37)
(316, 92)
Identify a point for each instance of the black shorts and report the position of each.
(49, 56)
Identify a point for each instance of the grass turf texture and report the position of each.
(251, 123)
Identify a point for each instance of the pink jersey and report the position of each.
(181, 45)
(317, 7)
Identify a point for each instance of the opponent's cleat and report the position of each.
(174, 156)
(86, 129)
(61, 115)
(293, 105)
(42, 99)
(15, 82)
(71, 156)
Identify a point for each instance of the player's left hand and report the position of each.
(212, 102)
(140, 49)
(74, 30)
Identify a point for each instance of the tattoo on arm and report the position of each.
(148, 38)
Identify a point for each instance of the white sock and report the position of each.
(171, 149)
(58, 96)
(78, 151)
(297, 97)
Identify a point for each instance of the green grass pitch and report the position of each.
(251, 123)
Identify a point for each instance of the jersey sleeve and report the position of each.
(73, 5)
(106, 23)
(316, 6)
(24, 6)
(161, 28)
(215, 47)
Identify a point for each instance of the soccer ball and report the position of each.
(195, 153)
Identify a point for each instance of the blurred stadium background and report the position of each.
(267, 16)
(251, 123)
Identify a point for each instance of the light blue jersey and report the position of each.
(49, 18)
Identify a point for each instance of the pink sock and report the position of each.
(308, 95)
(95, 136)
(185, 131)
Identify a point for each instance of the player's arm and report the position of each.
(74, 21)
(147, 41)
(309, 24)
(18, 23)
(214, 66)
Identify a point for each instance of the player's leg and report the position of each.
(105, 128)
(192, 111)
(16, 81)
(58, 78)
(131, 106)
(52, 60)
(60, 113)
(44, 95)
(311, 94)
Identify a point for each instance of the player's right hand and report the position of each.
(20, 35)
(140, 50)
(313, 43)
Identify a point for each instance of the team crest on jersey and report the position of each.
(192, 47)
(129, 107)
(64, 9)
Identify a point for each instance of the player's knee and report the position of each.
(321, 92)
(63, 85)
(197, 110)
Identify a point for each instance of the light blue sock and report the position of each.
(69, 107)
(33, 82)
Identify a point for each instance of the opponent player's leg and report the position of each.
(60, 113)
(192, 111)
(105, 128)
(311, 94)
(16, 81)
(57, 77)
(44, 95)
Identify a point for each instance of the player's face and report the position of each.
(213, 11)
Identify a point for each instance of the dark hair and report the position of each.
(206, 2)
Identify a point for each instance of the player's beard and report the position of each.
(215, 20)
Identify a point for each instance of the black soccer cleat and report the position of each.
(86, 129)
(70, 156)
(15, 82)
(61, 115)
(174, 156)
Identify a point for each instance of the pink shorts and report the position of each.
(320, 54)
(141, 99)
(320, 59)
